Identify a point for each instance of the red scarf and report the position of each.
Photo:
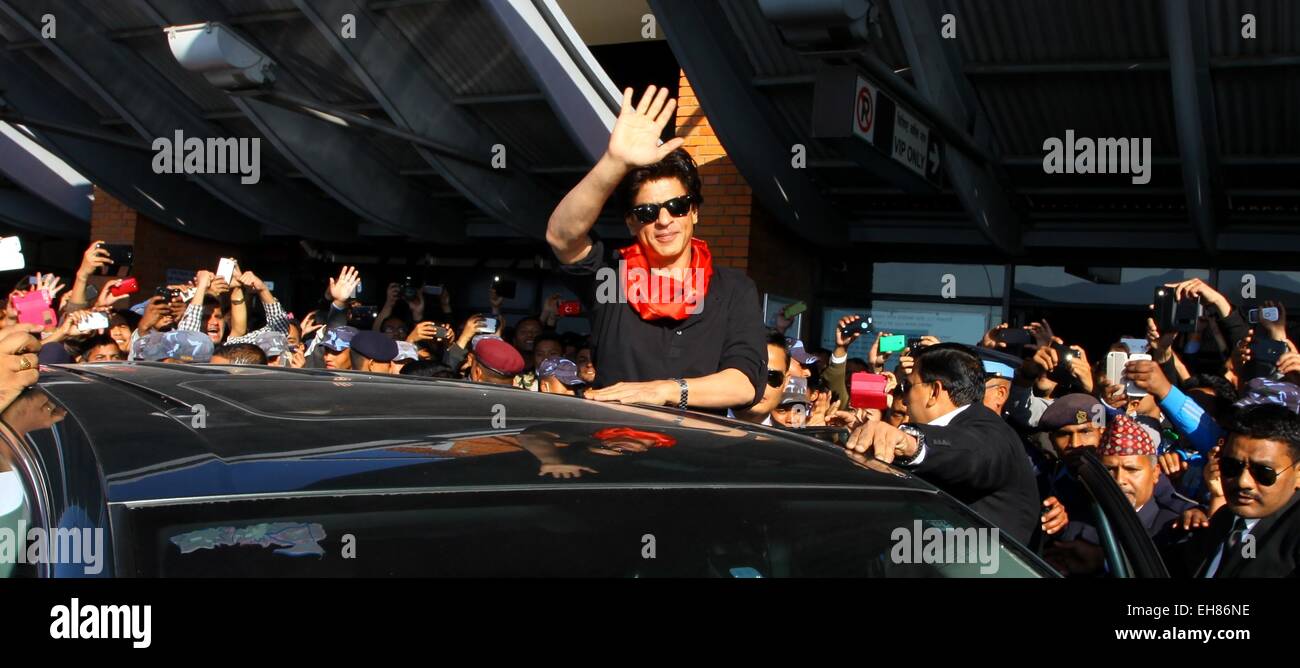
(680, 298)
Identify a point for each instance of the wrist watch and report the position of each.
(681, 402)
(920, 443)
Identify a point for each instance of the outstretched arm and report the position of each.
(633, 143)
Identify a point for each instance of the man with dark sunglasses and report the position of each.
(778, 363)
(669, 327)
(1257, 532)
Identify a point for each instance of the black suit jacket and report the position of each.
(1276, 545)
(978, 459)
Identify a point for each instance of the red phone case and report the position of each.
(126, 287)
(867, 390)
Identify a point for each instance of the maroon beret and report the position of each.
(497, 355)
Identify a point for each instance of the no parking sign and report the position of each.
(864, 111)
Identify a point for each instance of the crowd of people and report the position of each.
(1201, 437)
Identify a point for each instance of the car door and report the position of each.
(1129, 552)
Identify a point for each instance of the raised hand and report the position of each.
(842, 341)
(635, 139)
(1275, 329)
(105, 298)
(424, 331)
(1148, 376)
(94, 258)
(50, 283)
(251, 280)
(341, 289)
(309, 326)
(989, 340)
(1172, 465)
(1199, 289)
(1159, 346)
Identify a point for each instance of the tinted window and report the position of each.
(50, 493)
(570, 532)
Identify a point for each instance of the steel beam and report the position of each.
(337, 159)
(938, 78)
(154, 108)
(394, 72)
(701, 37)
(123, 172)
(1194, 116)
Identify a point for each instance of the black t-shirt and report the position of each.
(727, 333)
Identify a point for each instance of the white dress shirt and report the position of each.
(941, 421)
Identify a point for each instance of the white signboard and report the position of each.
(911, 142)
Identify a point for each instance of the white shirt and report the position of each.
(941, 421)
(1218, 556)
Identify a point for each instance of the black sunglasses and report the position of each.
(775, 378)
(677, 206)
(1264, 475)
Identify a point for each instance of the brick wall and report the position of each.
(728, 201)
(157, 248)
(738, 230)
(111, 220)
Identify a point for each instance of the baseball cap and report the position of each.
(407, 352)
(1265, 391)
(795, 392)
(272, 343)
(562, 369)
(375, 346)
(798, 353)
(339, 338)
(998, 364)
(183, 345)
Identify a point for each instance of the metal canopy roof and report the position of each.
(424, 91)
(1219, 111)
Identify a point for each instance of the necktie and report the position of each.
(1235, 536)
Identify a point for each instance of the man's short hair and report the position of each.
(957, 367)
(428, 369)
(677, 165)
(95, 342)
(241, 353)
(1272, 422)
(548, 336)
(1225, 395)
(775, 338)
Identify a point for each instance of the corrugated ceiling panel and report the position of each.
(1039, 31)
(463, 44)
(1024, 111)
(1277, 27)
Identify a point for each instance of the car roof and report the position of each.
(171, 432)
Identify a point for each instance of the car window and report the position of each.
(770, 532)
(51, 500)
(15, 514)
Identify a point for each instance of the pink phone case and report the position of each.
(35, 309)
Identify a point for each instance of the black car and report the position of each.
(197, 470)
